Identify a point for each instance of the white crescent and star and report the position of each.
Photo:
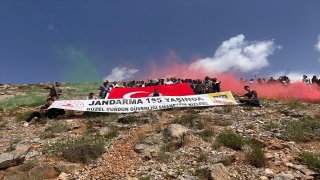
(128, 95)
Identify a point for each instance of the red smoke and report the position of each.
(174, 66)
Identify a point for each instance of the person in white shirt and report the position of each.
(155, 93)
(91, 96)
(168, 81)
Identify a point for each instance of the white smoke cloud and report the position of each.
(120, 74)
(237, 54)
(317, 46)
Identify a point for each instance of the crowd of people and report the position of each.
(207, 85)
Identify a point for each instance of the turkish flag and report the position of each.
(183, 89)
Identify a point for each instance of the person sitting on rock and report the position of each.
(44, 112)
(252, 100)
(155, 93)
(91, 96)
(56, 111)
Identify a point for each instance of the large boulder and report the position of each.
(214, 172)
(43, 171)
(147, 151)
(15, 157)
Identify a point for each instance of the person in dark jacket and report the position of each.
(252, 96)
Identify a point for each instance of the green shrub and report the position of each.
(228, 109)
(128, 119)
(110, 135)
(163, 156)
(187, 119)
(81, 150)
(58, 127)
(144, 178)
(311, 159)
(202, 157)
(207, 134)
(255, 155)
(250, 126)
(271, 126)
(230, 139)
(2, 124)
(47, 135)
(306, 129)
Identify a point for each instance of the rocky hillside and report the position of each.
(279, 141)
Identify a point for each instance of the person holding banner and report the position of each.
(252, 96)
(104, 89)
(155, 93)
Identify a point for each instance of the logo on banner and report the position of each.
(68, 104)
(223, 98)
(128, 95)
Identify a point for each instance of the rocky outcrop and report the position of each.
(15, 157)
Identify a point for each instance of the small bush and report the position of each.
(294, 104)
(216, 145)
(127, 119)
(306, 129)
(163, 156)
(271, 126)
(2, 124)
(47, 135)
(255, 155)
(231, 140)
(250, 126)
(144, 178)
(207, 134)
(83, 153)
(224, 123)
(58, 127)
(311, 159)
(81, 150)
(187, 119)
(110, 135)
(202, 157)
(227, 109)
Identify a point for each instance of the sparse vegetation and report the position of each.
(163, 156)
(228, 109)
(202, 157)
(2, 124)
(231, 140)
(271, 126)
(250, 126)
(190, 120)
(144, 178)
(58, 127)
(81, 150)
(128, 119)
(311, 159)
(47, 135)
(294, 104)
(254, 153)
(207, 135)
(27, 166)
(224, 123)
(305, 129)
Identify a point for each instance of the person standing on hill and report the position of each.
(252, 96)
(104, 90)
(56, 90)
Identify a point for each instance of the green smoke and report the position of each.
(78, 65)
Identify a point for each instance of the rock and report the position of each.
(303, 169)
(15, 157)
(293, 113)
(104, 130)
(214, 172)
(33, 154)
(176, 131)
(64, 176)
(263, 178)
(269, 173)
(185, 177)
(66, 168)
(222, 158)
(43, 171)
(147, 151)
(285, 176)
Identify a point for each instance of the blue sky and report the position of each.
(78, 41)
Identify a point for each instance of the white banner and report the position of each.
(147, 103)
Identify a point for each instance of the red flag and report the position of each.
(183, 89)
